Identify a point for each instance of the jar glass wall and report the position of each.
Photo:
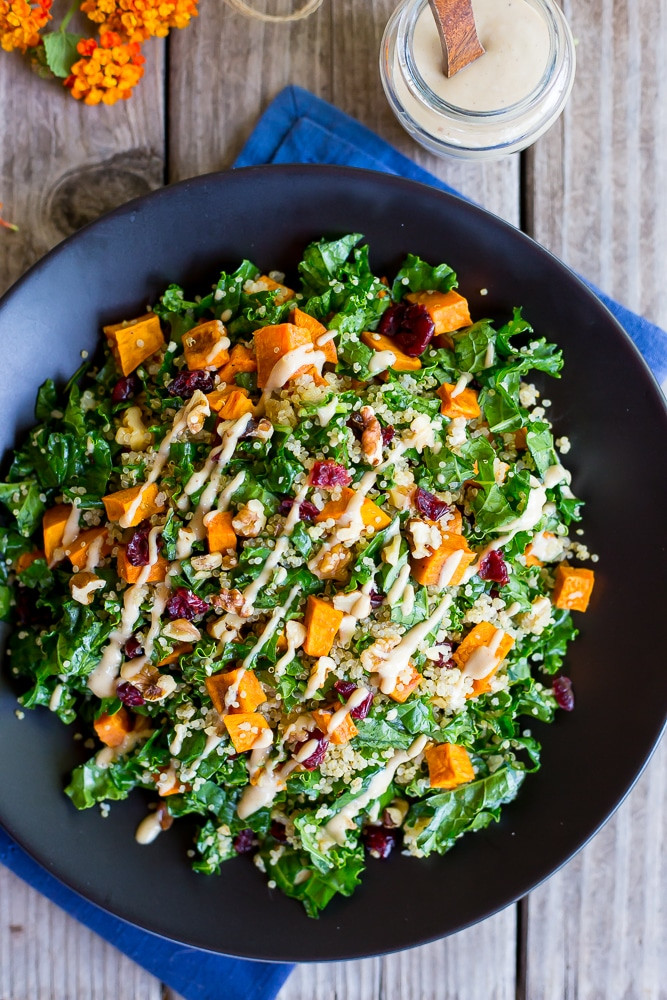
(443, 127)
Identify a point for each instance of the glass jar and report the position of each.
(445, 128)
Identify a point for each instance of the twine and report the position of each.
(309, 7)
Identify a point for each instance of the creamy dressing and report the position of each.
(394, 661)
(516, 39)
(131, 668)
(282, 542)
(556, 474)
(335, 830)
(288, 366)
(212, 741)
(94, 553)
(380, 361)
(271, 781)
(398, 586)
(483, 660)
(102, 681)
(525, 522)
(148, 829)
(260, 751)
(180, 423)
(338, 718)
(449, 568)
(327, 412)
(462, 382)
(71, 532)
(153, 554)
(407, 600)
(318, 675)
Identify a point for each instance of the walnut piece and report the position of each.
(371, 436)
(332, 563)
(132, 432)
(250, 519)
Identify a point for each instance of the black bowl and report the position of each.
(607, 404)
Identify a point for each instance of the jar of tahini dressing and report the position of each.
(501, 102)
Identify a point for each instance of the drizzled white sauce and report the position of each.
(71, 531)
(449, 568)
(282, 542)
(180, 423)
(483, 660)
(318, 675)
(94, 553)
(380, 361)
(148, 829)
(289, 364)
(102, 681)
(462, 382)
(398, 586)
(335, 830)
(338, 718)
(392, 662)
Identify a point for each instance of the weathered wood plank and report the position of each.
(598, 180)
(597, 929)
(47, 955)
(62, 164)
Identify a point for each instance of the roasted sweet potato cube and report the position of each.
(206, 345)
(447, 565)
(53, 527)
(316, 330)
(134, 341)
(284, 293)
(112, 729)
(26, 559)
(79, 550)
(272, 343)
(322, 622)
(244, 728)
(179, 650)
(497, 645)
(342, 734)
(448, 310)
(241, 359)
(573, 587)
(130, 573)
(454, 524)
(249, 694)
(236, 404)
(118, 504)
(463, 404)
(378, 342)
(221, 535)
(406, 682)
(372, 515)
(449, 765)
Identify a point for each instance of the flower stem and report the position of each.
(74, 7)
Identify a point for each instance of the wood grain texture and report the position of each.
(598, 180)
(62, 164)
(597, 929)
(46, 955)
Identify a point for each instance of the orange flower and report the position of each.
(107, 72)
(21, 22)
(141, 19)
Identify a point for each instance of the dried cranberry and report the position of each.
(345, 689)
(307, 510)
(493, 567)
(388, 433)
(137, 549)
(184, 604)
(277, 831)
(376, 598)
(356, 424)
(328, 473)
(129, 695)
(317, 756)
(563, 693)
(187, 383)
(133, 648)
(379, 841)
(411, 326)
(244, 842)
(125, 388)
(429, 505)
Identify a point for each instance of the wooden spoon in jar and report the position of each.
(458, 34)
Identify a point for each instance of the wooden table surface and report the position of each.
(594, 191)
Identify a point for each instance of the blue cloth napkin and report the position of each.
(296, 128)
(301, 128)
